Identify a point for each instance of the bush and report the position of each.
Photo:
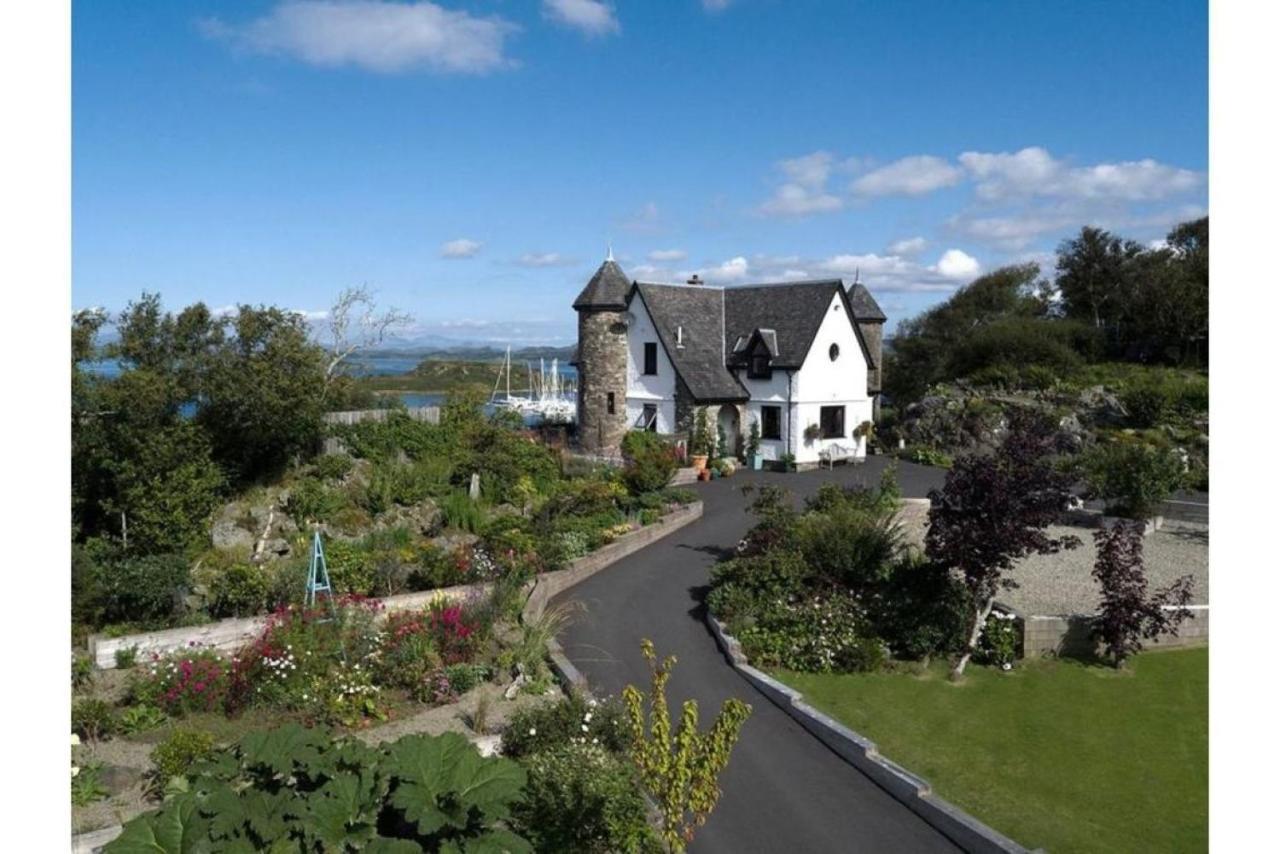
(998, 643)
(300, 789)
(581, 798)
(82, 671)
(93, 719)
(1148, 403)
(333, 466)
(1132, 477)
(174, 756)
(545, 727)
(1018, 342)
(239, 590)
(126, 657)
(815, 635)
(461, 513)
(921, 610)
(191, 680)
(929, 457)
(651, 462)
(141, 717)
(143, 590)
(408, 656)
(311, 501)
(745, 587)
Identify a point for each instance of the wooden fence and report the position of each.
(430, 414)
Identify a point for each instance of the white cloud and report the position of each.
(907, 246)
(804, 191)
(1034, 171)
(1014, 231)
(591, 17)
(311, 314)
(385, 37)
(544, 259)
(460, 248)
(661, 255)
(956, 264)
(910, 176)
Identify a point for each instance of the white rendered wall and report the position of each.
(819, 382)
(658, 389)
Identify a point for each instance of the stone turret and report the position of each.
(870, 320)
(602, 359)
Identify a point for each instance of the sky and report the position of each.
(472, 162)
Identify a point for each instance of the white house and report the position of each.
(795, 358)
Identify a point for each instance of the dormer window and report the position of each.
(759, 368)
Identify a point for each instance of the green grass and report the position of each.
(1057, 754)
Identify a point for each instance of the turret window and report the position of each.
(609, 404)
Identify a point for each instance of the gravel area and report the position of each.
(1063, 583)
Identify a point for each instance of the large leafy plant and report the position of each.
(297, 789)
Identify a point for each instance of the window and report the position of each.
(834, 352)
(759, 369)
(650, 358)
(650, 417)
(831, 419)
(609, 404)
(771, 422)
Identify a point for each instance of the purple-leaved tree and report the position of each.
(1127, 615)
(994, 510)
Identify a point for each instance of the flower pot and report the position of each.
(757, 462)
(698, 461)
(704, 474)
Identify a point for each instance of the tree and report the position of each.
(263, 394)
(1091, 274)
(356, 324)
(1126, 614)
(681, 769)
(993, 511)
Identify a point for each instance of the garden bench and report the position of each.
(833, 453)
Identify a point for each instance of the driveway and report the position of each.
(783, 790)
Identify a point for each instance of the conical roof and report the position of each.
(607, 289)
(864, 306)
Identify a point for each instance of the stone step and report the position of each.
(685, 476)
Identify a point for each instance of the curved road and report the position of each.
(783, 790)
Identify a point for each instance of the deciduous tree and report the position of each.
(1126, 614)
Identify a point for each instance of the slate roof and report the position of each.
(791, 311)
(700, 357)
(865, 308)
(607, 289)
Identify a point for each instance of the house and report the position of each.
(799, 359)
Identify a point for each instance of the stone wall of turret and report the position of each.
(602, 370)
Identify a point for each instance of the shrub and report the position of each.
(998, 643)
(815, 635)
(82, 670)
(536, 729)
(300, 789)
(174, 756)
(1148, 403)
(461, 513)
(333, 466)
(190, 680)
(926, 456)
(311, 501)
(920, 610)
(87, 785)
(143, 590)
(651, 462)
(126, 657)
(93, 719)
(746, 586)
(1016, 341)
(408, 656)
(582, 798)
(1132, 477)
(140, 718)
(239, 590)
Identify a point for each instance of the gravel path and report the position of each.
(1063, 584)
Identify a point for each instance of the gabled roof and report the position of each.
(699, 354)
(607, 289)
(792, 311)
(865, 308)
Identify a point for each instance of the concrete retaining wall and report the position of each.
(1068, 634)
(860, 752)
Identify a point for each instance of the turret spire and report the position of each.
(610, 257)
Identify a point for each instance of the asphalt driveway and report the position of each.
(783, 790)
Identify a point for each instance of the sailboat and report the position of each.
(548, 392)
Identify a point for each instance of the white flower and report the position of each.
(533, 731)
(587, 717)
(75, 769)
(1006, 666)
(586, 728)
(75, 739)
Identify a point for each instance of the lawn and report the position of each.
(1057, 754)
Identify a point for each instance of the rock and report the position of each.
(119, 778)
(450, 542)
(227, 532)
(423, 518)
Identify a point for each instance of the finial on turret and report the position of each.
(610, 258)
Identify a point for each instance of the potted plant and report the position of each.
(866, 430)
(788, 462)
(700, 441)
(753, 447)
(811, 433)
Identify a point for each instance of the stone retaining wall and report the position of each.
(1068, 634)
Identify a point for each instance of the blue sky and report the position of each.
(471, 161)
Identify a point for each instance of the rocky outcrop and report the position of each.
(256, 525)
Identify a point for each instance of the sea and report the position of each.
(388, 364)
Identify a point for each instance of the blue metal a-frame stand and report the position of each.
(318, 575)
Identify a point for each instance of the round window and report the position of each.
(834, 352)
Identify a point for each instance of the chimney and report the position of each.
(694, 280)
